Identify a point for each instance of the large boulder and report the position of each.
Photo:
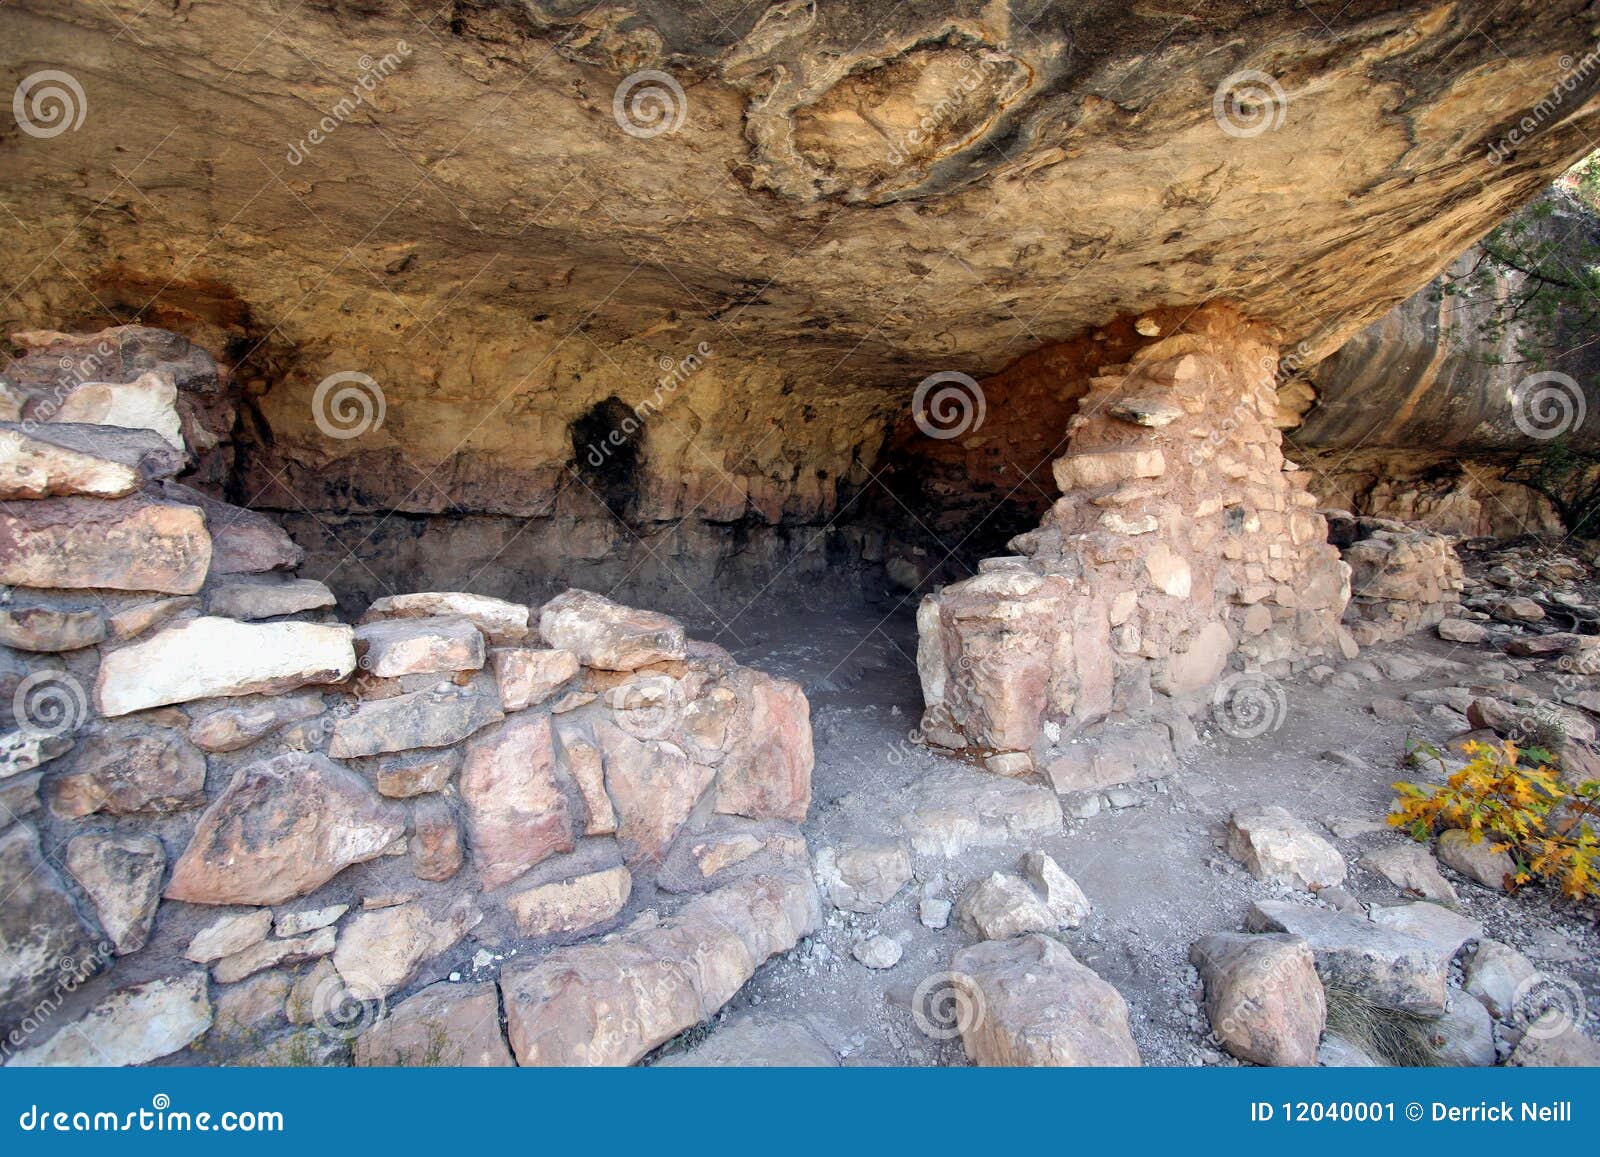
(282, 828)
(1033, 1004)
(126, 544)
(46, 942)
(1277, 848)
(1263, 996)
(1386, 968)
(132, 1026)
(209, 656)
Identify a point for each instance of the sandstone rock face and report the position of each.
(210, 656)
(436, 849)
(1278, 848)
(128, 544)
(281, 829)
(259, 600)
(380, 952)
(272, 954)
(122, 875)
(83, 462)
(229, 935)
(516, 814)
(1403, 579)
(768, 775)
(434, 718)
(46, 940)
(1034, 1004)
(129, 769)
(1263, 996)
(149, 402)
(132, 1027)
(863, 877)
(609, 1002)
(605, 635)
(444, 1025)
(45, 629)
(530, 675)
(234, 727)
(390, 649)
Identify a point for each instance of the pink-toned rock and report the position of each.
(243, 542)
(571, 905)
(127, 544)
(516, 813)
(1263, 996)
(381, 952)
(444, 1025)
(130, 769)
(418, 773)
(581, 760)
(436, 839)
(282, 828)
(389, 649)
(653, 785)
(122, 875)
(530, 675)
(608, 635)
(768, 773)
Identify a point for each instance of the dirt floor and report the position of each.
(1154, 868)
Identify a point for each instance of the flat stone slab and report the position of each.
(126, 544)
(1387, 968)
(499, 620)
(609, 635)
(391, 648)
(954, 810)
(757, 1044)
(436, 718)
(130, 1027)
(264, 600)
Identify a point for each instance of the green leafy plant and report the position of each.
(1516, 799)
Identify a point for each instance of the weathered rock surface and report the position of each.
(437, 850)
(954, 810)
(381, 952)
(129, 769)
(1059, 891)
(63, 461)
(1476, 860)
(48, 629)
(1032, 1003)
(122, 875)
(444, 1025)
(863, 877)
(1386, 968)
(530, 675)
(131, 1027)
(1263, 996)
(500, 621)
(391, 648)
(1439, 926)
(418, 773)
(435, 718)
(127, 544)
(571, 905)
(282, 828)
(239, 725)
(273, 954)
(262, 600)
(515, 811)
(210, 657)
(45, 939)
(752, 1043)
(1277, 848)
(607, 635)
(609, 1002)
(767, 775)
(999, 907)
(229, 935)
(1412, 868)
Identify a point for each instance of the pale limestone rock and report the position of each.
(1477, 860)
(655, 979)
(272, 954)
(132, 1026)
(249, 1008)
(571, 905)
(999, 907)
(1385, 967)
(878, 952)
(444, 1025)
(1168, 570)
(391, 648)
(1275, 847)
(1031, 1003)
(607, 635)
(863, 877)
(1496, 974)
(500, 621)
(1439, 926)
(750, 1043)
(282, 828)
(229, 935)
(1461, 631)
(1412, 868)
(210, 657)
(530, 675)
(1060, 892)
(307, 920)
(149, 402)
(122, 875)
(262, 600)
(380, 952)
(1093, 469)
(32, 465)
(1264, 1000)
(952, 811)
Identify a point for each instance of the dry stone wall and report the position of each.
(1183, 543)
(235, 827)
